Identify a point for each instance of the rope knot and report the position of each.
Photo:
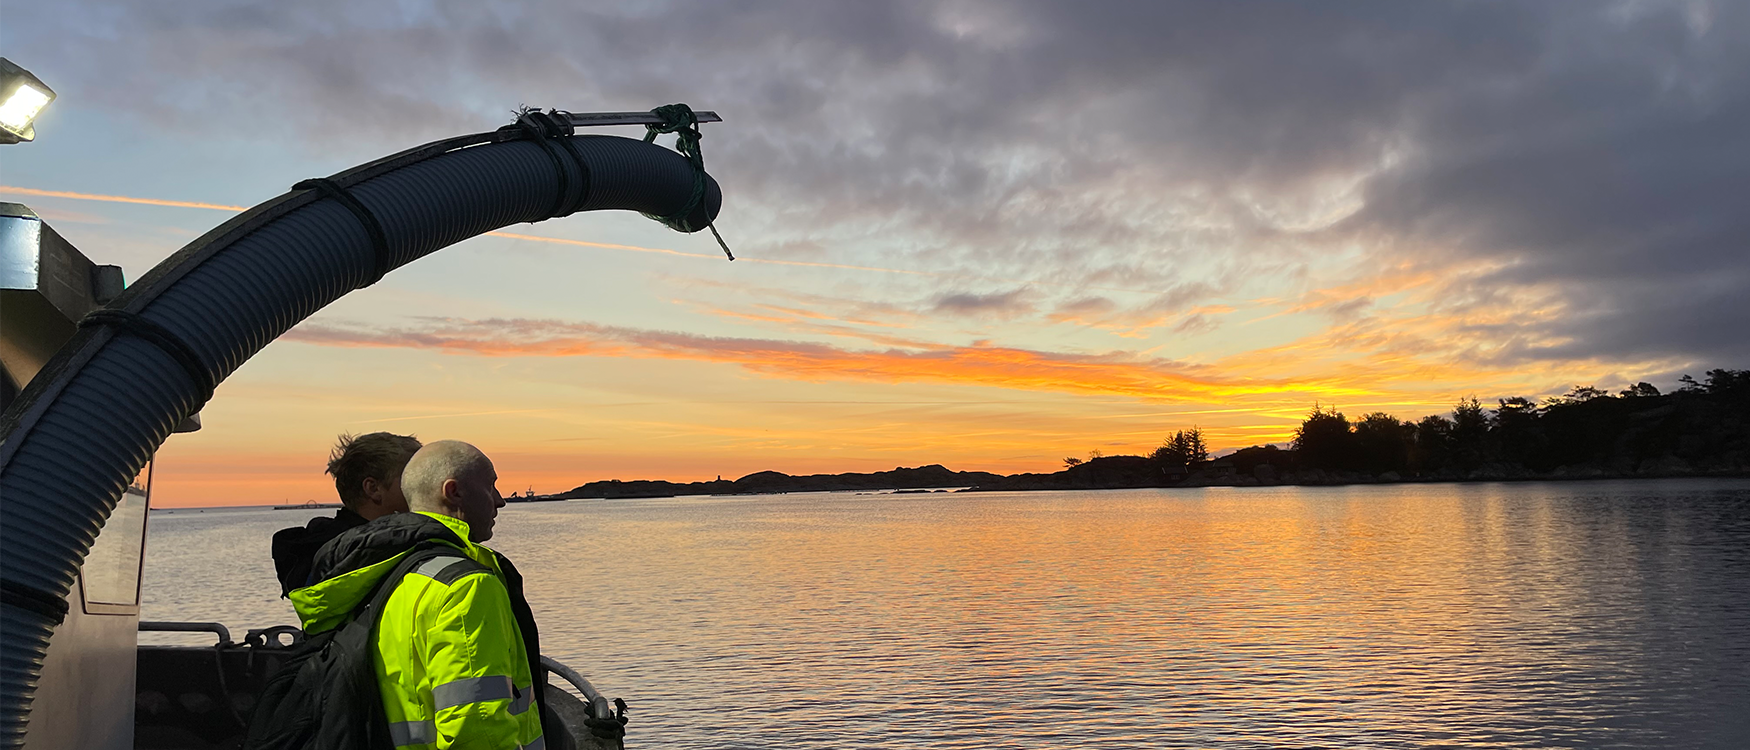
(538, 124)
(680, 120)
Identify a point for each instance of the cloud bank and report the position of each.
(1566, 179)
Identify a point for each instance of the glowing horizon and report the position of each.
(1060, 403)
(1232, 411)
(987, 236)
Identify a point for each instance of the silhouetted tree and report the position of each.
(1702, 427)
(1325, 441)
(1516, 432)
(1727, 383)
(1383, 443)
(1578, 431)
(1517, 407)
(1071, 462)
(1192, 441)
(1166, 456)
(1433, 447)
(1640, 390)
(1182, 449)
(1719, 383)
(1470, 434)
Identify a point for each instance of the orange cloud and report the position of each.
(979, 364)
(1438, 335)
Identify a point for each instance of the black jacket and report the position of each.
(294, 549)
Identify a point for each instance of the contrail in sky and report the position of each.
(117, 199)
(507, 235)
(445, 416)
(712, 256)
(534, 238)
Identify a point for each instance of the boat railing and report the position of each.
(199, 696)
(189, 627)
(599, 707)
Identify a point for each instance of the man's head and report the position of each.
(367, 472)
(455, 479)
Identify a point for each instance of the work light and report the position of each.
(22, 96)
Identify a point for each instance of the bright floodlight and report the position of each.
(22, 97)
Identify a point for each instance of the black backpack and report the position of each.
(325, 695)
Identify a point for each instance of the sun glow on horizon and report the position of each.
(813, 384)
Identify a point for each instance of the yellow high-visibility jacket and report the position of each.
(451, 661)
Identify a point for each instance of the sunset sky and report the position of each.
(983, 234)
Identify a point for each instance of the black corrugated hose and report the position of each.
(88, 422)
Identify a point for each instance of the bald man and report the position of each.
(453, 479)
(457, 652)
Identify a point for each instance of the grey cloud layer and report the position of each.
(1594, 151)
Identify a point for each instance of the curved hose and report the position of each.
(86, 424)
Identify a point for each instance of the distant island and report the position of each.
(770, 482)
(1701, 429)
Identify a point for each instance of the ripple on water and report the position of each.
(1508, 615)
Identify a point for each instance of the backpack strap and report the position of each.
(449, 568)
(432, 559)
(326, 694)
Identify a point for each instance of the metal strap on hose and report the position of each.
(27, 597)
(374, 228)
(157, 335)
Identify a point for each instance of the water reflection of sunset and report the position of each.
(1484, 616)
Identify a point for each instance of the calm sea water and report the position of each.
(1486, 615)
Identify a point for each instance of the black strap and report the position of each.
(371, 607)
(374, 228)
(25, 596)
(157, 335)
(571, 147)
(542, 127)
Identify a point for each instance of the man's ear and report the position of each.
(372, 490)
(452, 490)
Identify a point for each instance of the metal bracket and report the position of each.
(270, 637)
(589, 119)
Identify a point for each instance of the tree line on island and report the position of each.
(1701, 428)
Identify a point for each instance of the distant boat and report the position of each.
(311, 505)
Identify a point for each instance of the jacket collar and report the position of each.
(349, 566)
(475, 552)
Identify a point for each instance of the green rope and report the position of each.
(680, 120)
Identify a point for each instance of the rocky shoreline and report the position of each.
(1121, 472)
(1110, 473)
(773, 482)
(1267, 476)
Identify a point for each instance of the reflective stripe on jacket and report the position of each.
(451, 663)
